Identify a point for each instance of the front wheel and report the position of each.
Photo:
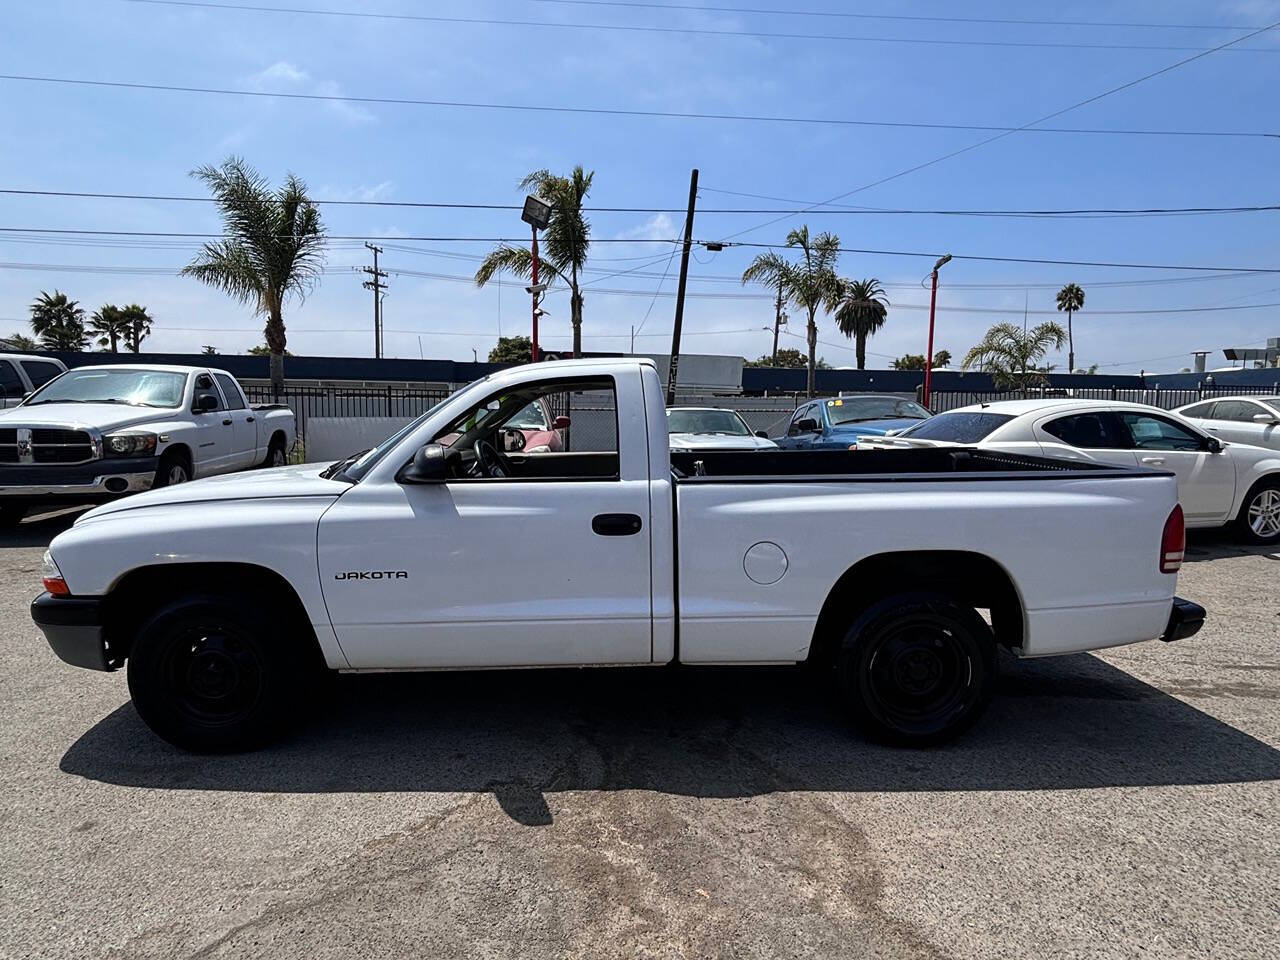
(208, 676)
(917, 669)
(174, 468)
(1259, 520)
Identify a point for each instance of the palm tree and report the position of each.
(1010, 354)
(809, 282)
(566, 241)
(137, 326)
(18, 341)
(108, 326)
(770, 270)
(1071, 299)
(58, 322)
(860, 310)
(273, 247)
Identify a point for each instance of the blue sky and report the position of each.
(62, 137)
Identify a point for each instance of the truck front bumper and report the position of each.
(95, 480)
(1185, 619)
(73, 627)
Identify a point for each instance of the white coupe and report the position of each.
(1220, 482)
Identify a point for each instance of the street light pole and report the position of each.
(536, 213)
(928, 356)
(535, 294)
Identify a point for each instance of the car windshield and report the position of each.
(859, 409)
(721, 422)
(957, 427)
(137, 388)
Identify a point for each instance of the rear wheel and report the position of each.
(11, 514)
(208, 676)
(917, 669)
(1259, 520)
(276, 456)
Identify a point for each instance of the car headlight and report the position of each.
(129, 444)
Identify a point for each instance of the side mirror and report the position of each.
(429, 465)
(206, 403)
(762, 434)
(1265, 418)
(560, 423)
(807, 425)
(1213, 444)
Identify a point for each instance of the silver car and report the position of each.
(1254, 420)
(713, 428)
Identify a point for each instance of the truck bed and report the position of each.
(725, 466)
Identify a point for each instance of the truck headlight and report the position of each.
(52, 577)
(129, 444)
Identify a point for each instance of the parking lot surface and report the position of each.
(1109, 805)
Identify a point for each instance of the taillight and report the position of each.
(1174, 541)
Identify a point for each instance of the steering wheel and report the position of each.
(494, 464)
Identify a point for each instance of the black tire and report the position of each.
(174, 468)
(276, 454)
(1259, 518)
(211, 677)
(916, 669)
(11, 515)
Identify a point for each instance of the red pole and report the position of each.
(928, 357)
(535, 295)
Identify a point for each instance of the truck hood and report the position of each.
(296, 481)
(101, 416)
(712, 441)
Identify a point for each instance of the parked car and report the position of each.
(97, 432)
(836, 423)
(1254, 420)
(22, 373)
(224, 595)
(1219, 482)
(713, 428)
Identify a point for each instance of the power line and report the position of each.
(619, 112)
(777, 246)
(668, 31)
(892, 16)
(1049, 116)
(841, 209)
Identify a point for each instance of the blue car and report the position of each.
(836, 423)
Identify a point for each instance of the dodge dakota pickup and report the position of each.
(898, 574)
(98, 432)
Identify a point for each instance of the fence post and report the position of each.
(388, 400)
(1113, 392)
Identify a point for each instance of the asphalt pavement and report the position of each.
(1113, 805)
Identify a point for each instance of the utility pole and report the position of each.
(684, 278)
(777, 322)
(377, 286)
(928, 353)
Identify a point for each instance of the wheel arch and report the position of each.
(138, 592)
(967, 577)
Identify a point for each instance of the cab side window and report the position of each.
(804, 413)
(1088, 431)
(40, 372)
(230, 391)
(205, 388)
(11, 387)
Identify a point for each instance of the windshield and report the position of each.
(722, 422)
(957, 427)
(138, 388)
(856, 409)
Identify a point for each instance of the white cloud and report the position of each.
(379, 191)
(285, 77)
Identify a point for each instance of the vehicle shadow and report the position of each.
(39, 528)
(1216, 544)
(1069, 723)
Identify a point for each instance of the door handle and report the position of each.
(1155, 461)
(226, 422)
(616, 524)
(248, 419)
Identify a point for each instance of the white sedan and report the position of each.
(1219, 482)
(713, 428)
(1254, 420)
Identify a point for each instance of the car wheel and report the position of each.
(917, 669)
(11, 514)
(275, 455)
(208, 676)
(1259, 520)
(174, 468)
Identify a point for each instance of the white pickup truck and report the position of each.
(97, 432)
(899, 573)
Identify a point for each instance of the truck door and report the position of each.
(244, 426)
(213, 430)
(548, 563)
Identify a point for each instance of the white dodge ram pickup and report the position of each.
(98, 432)
(899, 573)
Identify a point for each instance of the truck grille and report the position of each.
(45, 445)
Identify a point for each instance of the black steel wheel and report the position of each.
(208, 677)
(917, 669)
